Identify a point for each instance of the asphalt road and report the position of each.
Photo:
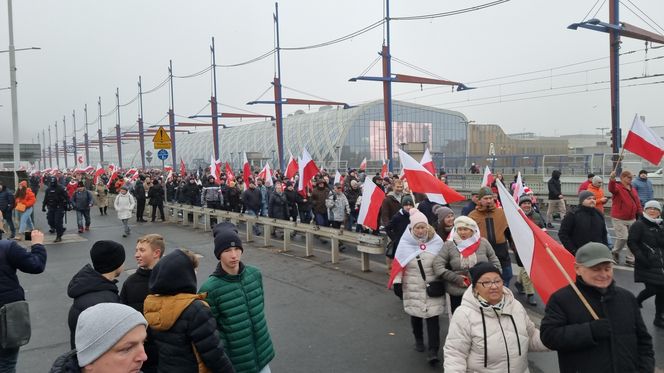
(322, 317)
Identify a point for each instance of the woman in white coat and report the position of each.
(419, 245)
(124, 205)
(490, 331)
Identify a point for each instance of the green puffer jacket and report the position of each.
(237, 304)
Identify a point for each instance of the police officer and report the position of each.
(57, 201)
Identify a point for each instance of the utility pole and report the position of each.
(278, 104)
(141, 135)
(171, 115)
(99, 133)
(57, 159)
(43, 137)
(387, 88)
(14, 99)
(50, 154)
(73, 139)
(118, 135)
(213, 105)
(64, 140)
(85, 136)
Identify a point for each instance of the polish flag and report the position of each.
(168, 168)
(363, 165)
(54, 171)
(421, 181)
(229, 172)
(214, 170)
(531, 243)
(98, 172)
(383, 170)
(487, 179)
(291, 168)
(114, 175)
(246, 170)
(183, 168)
(518, 188)
(111, 167)
(642, 141)
(469, 245)
(131, 172)
(217, 166)
(338, 178)
(168, 177)
(409, 248)
(427, 162)
(372, 198)
(266, 174)
(307, 169)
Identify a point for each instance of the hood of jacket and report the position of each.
(87, 280)
(173, 274)
(162, 311)
(555, 174)
(469, 300)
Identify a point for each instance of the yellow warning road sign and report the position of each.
(161, 140)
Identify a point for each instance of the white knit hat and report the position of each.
(100, 327)
(653, 204)
(466, 222)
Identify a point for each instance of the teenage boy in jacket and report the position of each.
(96, 283)
(617, 341)
(235, 295)
(180, 321)
(149, 249)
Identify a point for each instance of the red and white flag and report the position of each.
(518, 188)
(266, 174)
(644, 142)
(291, 168)
(531, 242)
(338, 178)
(246, 170)
(372, 198)
(217, 166)
(421, 181)
(408, 249)
(427, 162)
(131, 172)
(114, 175)
(98, 172)
(183, 168)
(468, 246)
(214, 171)
(487, 179)
(229, 172)
(168, 168)
(383, 170)
(111, 167)
(80, 159)
(307, 169)
(168, 177)
(363, 165)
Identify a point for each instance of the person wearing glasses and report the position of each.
(490, 331)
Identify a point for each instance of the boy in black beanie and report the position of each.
(96, 283)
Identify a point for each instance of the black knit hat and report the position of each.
(480, 269)
(225, 236)
(107, 256)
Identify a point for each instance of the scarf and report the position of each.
(498, 307)
(657, 221)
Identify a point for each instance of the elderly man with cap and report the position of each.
(646, 239)
(493, 226)
(96, 283)
(583, 224)
(617, 340)
(235, 296)
(109, 339)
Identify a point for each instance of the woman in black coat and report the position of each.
(156, 195)
(646, 241)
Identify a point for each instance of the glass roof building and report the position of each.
(328, 134)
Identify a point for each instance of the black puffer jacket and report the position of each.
(251, 199)
(13, 257)
(88, 287)
(156, 195)
(179, 319)
(278, 206)
(646, 241)
(582, 225)
(291, 198)
(66, 363)
(566, 329)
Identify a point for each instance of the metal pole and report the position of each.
(278, 106)
(85, 136)
(99, 130)
(57, 159)
(50, 154)
(614, 44)
(64, 141)
(44, 149)
(141, 135)
(73, 139)
(387, 88)
(12, 85)
(118, 135)
(171, 116)
(213, 103)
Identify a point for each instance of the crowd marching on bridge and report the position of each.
(438, 264)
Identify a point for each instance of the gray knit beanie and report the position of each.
(101, 326)
(584, 195)
(653, 204)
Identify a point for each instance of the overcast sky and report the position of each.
(90, 48)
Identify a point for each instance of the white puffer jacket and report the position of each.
(124, 204)
(478, 338)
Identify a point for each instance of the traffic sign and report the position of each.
(161, 140)
(70, 148)
(162, 154)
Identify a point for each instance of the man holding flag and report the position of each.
(625, 208)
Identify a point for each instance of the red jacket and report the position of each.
(626, 204)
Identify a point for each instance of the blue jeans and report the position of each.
(8, 358)
(507, 274)
(305, 216)
(25, 220)
(257, 231)
(321, 220)
(83, 216)
(125, 226)
(7, 215)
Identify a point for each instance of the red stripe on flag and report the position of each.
(424, 182)
(643, 148)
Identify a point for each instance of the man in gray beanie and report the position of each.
(109, 339)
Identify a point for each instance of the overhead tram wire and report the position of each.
(590, 11)
(339, 39)
(306, 93)
(252, 60)
(450, 13)
(641, 18)
(199, 73)
(647, 16)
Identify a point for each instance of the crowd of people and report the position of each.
(470, 254)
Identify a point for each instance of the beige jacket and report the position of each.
(473, 327)
(450, 257)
